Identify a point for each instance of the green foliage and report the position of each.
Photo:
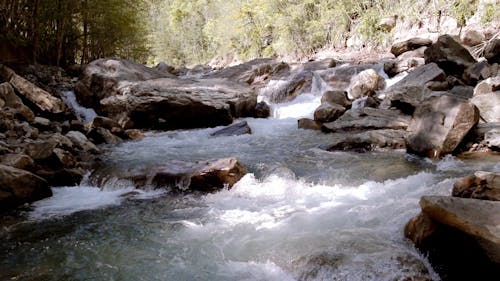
(464, 9)
(491, 11)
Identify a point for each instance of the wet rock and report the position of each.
(101, 135)
(336, 97)
(64, 158)
(409, 45)
(19, 161)
(478, 218)
(472, 37)
(308, 124)
(251, 72)
(481, 185)
(134, 134)
(104, 122)
(328, 112)
(439, 125)
(419, 229)
(366, 83)
(81, 141)
(237, 129)
(492, 51)
(18, 187)
(488, 105)
(39, 97)
(465, 92)
(62, 177)
(262, 110)
(368, 141)
(422, 75)
(449, 55)
(204, 176)
(368, 119)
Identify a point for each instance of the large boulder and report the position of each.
(439, 125)
(481, 185)
(366, 83)
(18, 187)
(478, 218)
(180, 104)
(488, 105)
(337, 97)
(421, 76)
(13, 101)
(203, 176)
(368, 119)
(339, 78)
(39, 97)
(452, 57)
(250, 72)
(405, 98)
(409, 45)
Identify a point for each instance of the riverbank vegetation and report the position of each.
(194, 31)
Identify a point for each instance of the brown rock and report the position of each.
(408, 45)
(419, 229)
(481, 185)
(449, 55)
(439, 125)
(488, 105)
(13, 101)
(337, 97)
(308, 124)
(40, 150)
(101, 135)
(104, 122)
(328, 112)
(18, 187)
(19, 161)
(134, 134)
(472, 37)
(368, 119)
(422, 75)
(492, 51)
(366, 83)
(262, 110)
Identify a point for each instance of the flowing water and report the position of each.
(301, 213)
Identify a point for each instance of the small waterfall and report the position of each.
(82, 113)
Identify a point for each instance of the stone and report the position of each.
(492, 51)
(366, 83)
(488, 105)
(62, 176)
(240, 128)
(476, 72)
(40, 150)
(465, 92)
(328, 112)
(449, 55)
(478, 218)
(409, 45)
(262, 110)
(481, 185)
(336, 97)
(439, 124)
(18, 187)
(101, 135)
(41, 123)
(104, 122)
(338, 78)
(19, 161)
(365, 102)
(250, 72)
(39, 97)
(208, 175)
(472, 37)
(2, 102)
(422, 75)
(15, 102)
(368, 119)
(401, 64)
(370, 140)
(492, 139)
(486, 86)
(64, 158)
(419, 229)
(405, 98)
(81, 141)
(308, 124)
(134, 134)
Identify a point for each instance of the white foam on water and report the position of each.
(68, 200)
(82, 113)
(301, 107)
(250, 271)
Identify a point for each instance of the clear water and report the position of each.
(299, 214)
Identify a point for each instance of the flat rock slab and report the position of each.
(240, 128)
(208, 175)
(422, 75)
(367, 141)
(368, 119)
(479, 218)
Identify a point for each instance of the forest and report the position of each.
(180, 32)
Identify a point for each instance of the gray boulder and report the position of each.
(452, 57)
(240, 128)
(368, 119)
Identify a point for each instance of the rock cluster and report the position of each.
(446, 98)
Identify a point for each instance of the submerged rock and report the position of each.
(240, 128)
(18, 187)
(202, 176)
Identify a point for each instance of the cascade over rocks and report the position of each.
(439, 125)
(208, 175)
